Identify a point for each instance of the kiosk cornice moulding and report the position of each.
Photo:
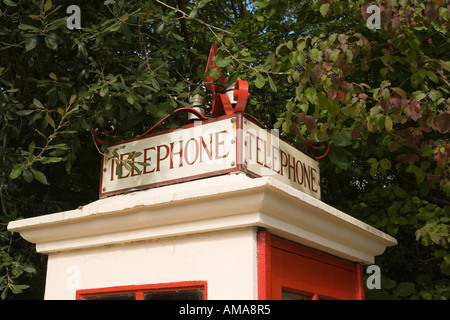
(206, 205)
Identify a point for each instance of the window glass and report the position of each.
(123, 296)
(174, 295)
(289, 295)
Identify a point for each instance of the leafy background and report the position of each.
(315, 70)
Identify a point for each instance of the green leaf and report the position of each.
(39, 176)
(260, 81)
(27, 27)
(60, 146)
(50, 121)
(27, 175)
(311, 94)
(155, 84)
(104, 90)
(324, 9)
(82, 52)
(193, 14)
(334, 55)
(51, 43)
(16, 171)
(342, 140)
(24, 112)
(414, 42)
(333, 108)
(388, 124)
(418, 96)
(114, 27)
(380, 121)
(272, 84)
(10, 3)
(18, 288)
(30, 44)
(387, 283)
(72, 99)
(339, 157)
(131, 98)
(48, 5)
(385, 164)
(286, 127)
(46, 160)
(315, 55)
(400, 192)
(405, 289)
(432, 76)
(222, 63)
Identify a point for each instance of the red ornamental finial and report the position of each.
(239, 94)
(218, 84)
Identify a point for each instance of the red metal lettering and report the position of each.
(305, 174)
(291, 166)
(257, 150)
(283, 164)
(250, 145)
(274, 156)
(204, 147)
(146, 158)
(112, 169)
(121, 164)
(312, 179)
(220, 143)
(265, 155)
(158, 156)
(186, 152)
(301, 171)
(179, 153)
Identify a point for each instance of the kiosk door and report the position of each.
(294, 272)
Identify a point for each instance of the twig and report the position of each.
(186, 16)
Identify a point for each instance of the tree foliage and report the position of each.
(315, 69)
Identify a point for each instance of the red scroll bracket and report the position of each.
(222, 101)
(314, 148)
(107, 130)
(179, 110)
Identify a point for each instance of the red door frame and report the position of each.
(286, 264)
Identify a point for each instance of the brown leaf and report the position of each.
(399, 91)
(442, 122)
(362, 95)
(356, 132)
(431, 12)
(332, 93)
(310, 123)
(316, 74)
(384, 105)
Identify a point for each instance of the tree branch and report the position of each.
(186, 16)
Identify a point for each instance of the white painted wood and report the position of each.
(198, 230)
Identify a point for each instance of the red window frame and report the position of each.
(286, 265)
(139, 290)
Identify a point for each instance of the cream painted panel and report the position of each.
(226, 260)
